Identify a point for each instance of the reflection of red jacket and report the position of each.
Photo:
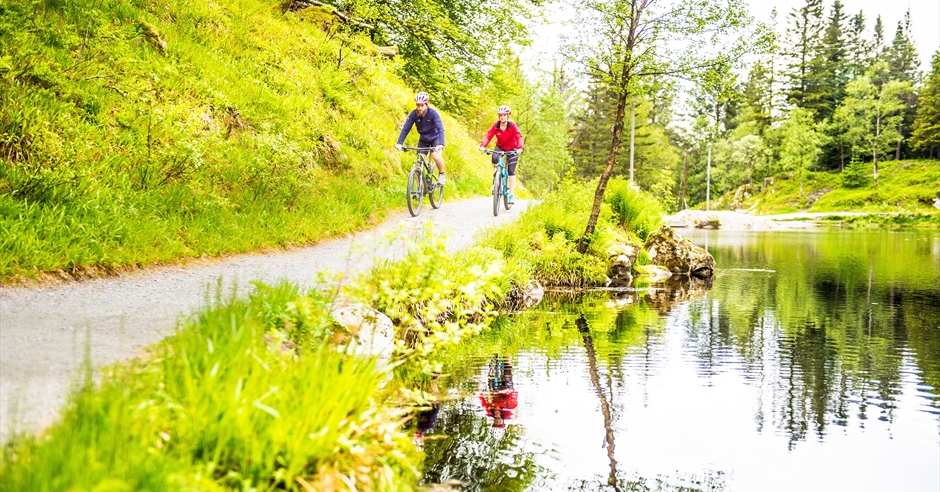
(508, 139)
(503, 402)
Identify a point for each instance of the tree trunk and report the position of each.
(625, 81)
(685, 177)
(897, 152)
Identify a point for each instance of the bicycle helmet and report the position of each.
(422, 97)
(504, 110)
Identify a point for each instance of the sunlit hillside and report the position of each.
(907, 186)
(135, 132)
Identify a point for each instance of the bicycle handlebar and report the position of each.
(500, 152)
(419, 149)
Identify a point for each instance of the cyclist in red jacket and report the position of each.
(508, 138)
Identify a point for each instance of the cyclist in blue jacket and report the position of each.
(430, 131)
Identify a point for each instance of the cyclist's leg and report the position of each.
(438, 156)
(511, 161)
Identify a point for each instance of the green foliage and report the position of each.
(905, 187)
(433, 299)
(250, 129)
(926, 132)
(634, 210)
(542, 241)
(221, 406)
(855, 175)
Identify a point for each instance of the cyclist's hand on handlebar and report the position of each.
(519, 150)
(482, 149)
(398, 146)
(438, 148)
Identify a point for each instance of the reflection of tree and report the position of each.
(828, 326)
(605, 405)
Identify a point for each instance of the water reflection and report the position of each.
(811, 363)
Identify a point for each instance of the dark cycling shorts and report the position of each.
(429, 143)
(511, 161)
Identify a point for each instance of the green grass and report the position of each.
(253, 129)
(542, 242)
(260, 394)
(906, 187)
(216, 407)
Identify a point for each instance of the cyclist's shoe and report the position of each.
(512, 199)
(440, 179)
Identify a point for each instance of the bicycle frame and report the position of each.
(500, 179)
(426, 184)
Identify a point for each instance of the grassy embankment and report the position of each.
(904, 196)
(260, 394)
(135, 133)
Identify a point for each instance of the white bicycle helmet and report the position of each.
(504, 110)
(422, 97)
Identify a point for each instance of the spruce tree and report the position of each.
(926, 130)
(805, 45)
(858, 48)
(902, 60)
(826, 78)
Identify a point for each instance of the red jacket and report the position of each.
(508, 139)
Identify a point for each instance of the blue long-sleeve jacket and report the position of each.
(430, 127)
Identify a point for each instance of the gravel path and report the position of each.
(46, 332)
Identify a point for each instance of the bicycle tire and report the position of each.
(506, 193)
(435, 192)
(497, 190)
(415, 191)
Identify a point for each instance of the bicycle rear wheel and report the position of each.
(415, 191)
(435, 192)
(497, 190)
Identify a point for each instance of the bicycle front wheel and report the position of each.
(415, 191)
(435, 192)
(506, 194)
(497, 191)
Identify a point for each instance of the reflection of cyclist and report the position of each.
(500, 398)
(428, 417)
(430, 130)
(508, 138)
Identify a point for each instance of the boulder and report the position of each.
(621, 257)
(523, 297)
(676, 290)
(373, 330)
(678, 255)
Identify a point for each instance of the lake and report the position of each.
(811, 361)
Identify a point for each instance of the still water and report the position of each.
(810, 362)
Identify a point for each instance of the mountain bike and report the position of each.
(422, 180)
(500, 177)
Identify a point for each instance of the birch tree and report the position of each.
(628, 40)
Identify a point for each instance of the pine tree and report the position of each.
(902, 55)
(902, 65)
(878, 43)
(926, 130)
(806, 31)
(858, 49)
(826, 78)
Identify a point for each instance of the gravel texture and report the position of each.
(46, 333)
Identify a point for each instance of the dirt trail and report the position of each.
(46, 332)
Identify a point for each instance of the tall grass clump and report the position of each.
(636, 211)
(142, 132)
(226, 404)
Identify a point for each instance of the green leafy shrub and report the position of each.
(634, 210)
(855, 175)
